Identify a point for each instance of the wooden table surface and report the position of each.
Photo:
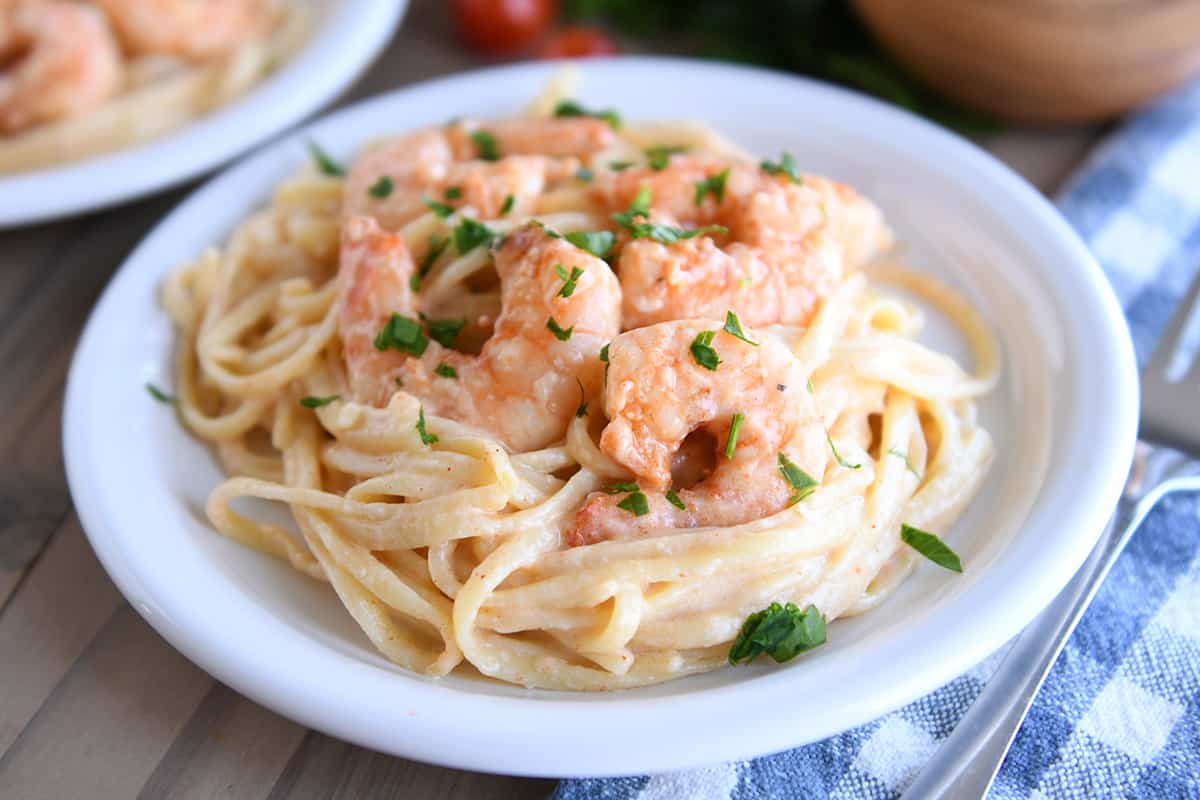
(93, 703)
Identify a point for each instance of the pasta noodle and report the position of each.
(453, 553)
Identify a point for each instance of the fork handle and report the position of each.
(967, 761)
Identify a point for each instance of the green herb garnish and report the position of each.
(660, 155)
(714, 185)
(907, 462)
(381, 188)
(798, 479)
(785, 166)
(734, 428)
(604, 353)
(782, 632)
(733, 326)
(809, 386)
(445, 370)
(453, 192)
(507, 205)
(426, 437)
(619, 166)
(445, 331)
(403, 334)
(437, 246)
(569, 280)
(598, 243)
(162, 397)
(931, 547)
(317, 402)
(640, 207)
(703, 352)
(622, 486)
(584, 174)
(489, 149)
(674, 500)
(441, 209)
(838, 455)
(582, 410)
(324, 163)
(635, 503)
(558, 331)
(471, 233)
(570, 108)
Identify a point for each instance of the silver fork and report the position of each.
(967, 762)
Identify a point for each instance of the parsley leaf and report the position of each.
(507, 205)
(733, 326)
(785, 166)
(436, 248)
(569, 281)
(809, 386)
(441, 209)
(470, 233)
(570, 108)
(403, 334)
(619, 166)
(622, 486)
(453, 192)
(782, 632)
(714, 185)
(381, 188)
(931, 547)
(907, 461)
(317, 402)
(798, 479)
(674, 500)
(838, 455)
(660, 155)
(489, 149)
(559, 333)
(604, 353)
(445, 370)
(324, 163)
(635, 503)
(703, 352)
(582, 410)
(598, 243)
(161, 396)
(665, 234)
(426, 437)
(445, 331)
(640, 207)
(734, 428)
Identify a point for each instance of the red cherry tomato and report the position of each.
(499, 27)
(579, 41)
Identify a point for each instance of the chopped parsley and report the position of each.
(782, 632)
(733, 327)
(437, 246)
(403, 334)
(441, 209)
(837, 455)
(489, 149)
(622, 486)
(324, 163)
(569, 280)
(604, 353)
(426, 437)
(640, 207)
(798, 479)
(570, 108)
(558, 331)
(584, 174)
(471, 233)
(445, 331)
(445, 370)
(907, 461)
(317, 402)
(714, 185)
(785, 166)
(674, 500)
(507, 205)
(453, 192)
(703, 352)
(931, 547)
(660, 155)
(734, 428)
(635, 503)
(809, 386)
(619, 166)
(582, 410)
(598, 243)
(665, 234)
(381, 188)
(399, 381)
(162, 397)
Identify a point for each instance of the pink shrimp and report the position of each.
(528, 155)
(192, 29)
(60, 61)
(658, 392)
(526, 383)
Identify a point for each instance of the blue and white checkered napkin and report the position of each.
(1119, 715)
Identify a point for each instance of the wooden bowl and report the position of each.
(1042, 60)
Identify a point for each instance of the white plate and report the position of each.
(345, 38)
(1064, 420)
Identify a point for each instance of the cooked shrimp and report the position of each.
(60, 60)
(423, 165)
(657, 394)
(524, 386)
(788, 245)
(192, 29)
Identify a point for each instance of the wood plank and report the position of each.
(109, 721)
(327, 768)
(231, 748)
(50, 621)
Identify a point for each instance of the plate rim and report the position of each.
(310, 79)
(515, 716)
